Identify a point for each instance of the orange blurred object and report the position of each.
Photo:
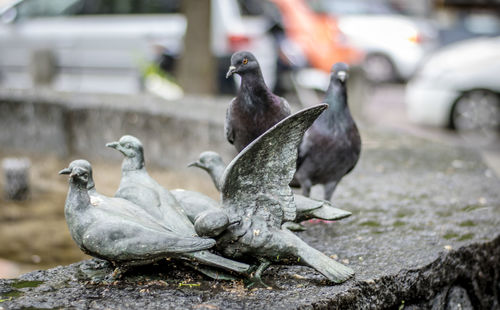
(318, 35)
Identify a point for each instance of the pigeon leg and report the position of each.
(255, 278)
(329, 189)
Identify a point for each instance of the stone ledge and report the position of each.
(424, 234)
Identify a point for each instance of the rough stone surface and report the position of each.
(424, 234)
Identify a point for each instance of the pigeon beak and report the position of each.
(65, 171)
(230, 72)
(342, 75)
(113, 145)
(196, 164)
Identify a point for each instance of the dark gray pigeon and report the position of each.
(307, 208)
(331, 146)
(110, 229)
(255, 108)
(256, 200)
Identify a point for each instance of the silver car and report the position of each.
(105, 44)
(458, 87)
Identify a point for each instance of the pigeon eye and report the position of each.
(128, 146)
(245, 61)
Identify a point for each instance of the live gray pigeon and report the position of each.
(307, 208)
(102, 230)
(255, 108)
(256, 200)
(331, 146)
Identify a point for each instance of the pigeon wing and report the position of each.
(126, 240)
(256, 182)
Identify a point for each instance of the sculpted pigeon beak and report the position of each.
(65, 171)
(230, 72)
(342, 75)
(113, 145)
(196, 164)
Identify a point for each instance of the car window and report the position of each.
(346, 7)
(46, 8)
(98, 7)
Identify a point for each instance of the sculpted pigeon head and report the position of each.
(82, 164)
(78, 175)
(208, 160)
(132, 149)
(128, 145)
(242, 63)
(340, 71)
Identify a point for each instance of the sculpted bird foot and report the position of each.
(116, 275)
(255, 278)
(293, 226)
(213, 273)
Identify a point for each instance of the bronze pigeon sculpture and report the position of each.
(194, 203)
(331, 147)
(115, 205)
(255, 108)
(177, 208)
(256, 200)
(110, 229)
(307, 208)
(139, 187)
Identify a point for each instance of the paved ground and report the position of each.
(385, 108)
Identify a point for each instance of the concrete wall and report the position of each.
(173, 133)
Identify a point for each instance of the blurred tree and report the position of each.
(197, 68)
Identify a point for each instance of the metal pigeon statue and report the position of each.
(307, 208)
(177, 209)
(116, 230)
(331, 147)
(139, 187)
(255, 108)
(256, 200)
(114, 205)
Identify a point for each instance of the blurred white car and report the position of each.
(394, 44)
(458, 86)
(116, 37)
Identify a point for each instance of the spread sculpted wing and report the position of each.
(256, 182)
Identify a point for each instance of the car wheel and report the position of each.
(476, 114)
(378, 68)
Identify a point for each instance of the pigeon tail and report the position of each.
(211, 259)
(308, 208)
(331, 269)
(330, 213)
